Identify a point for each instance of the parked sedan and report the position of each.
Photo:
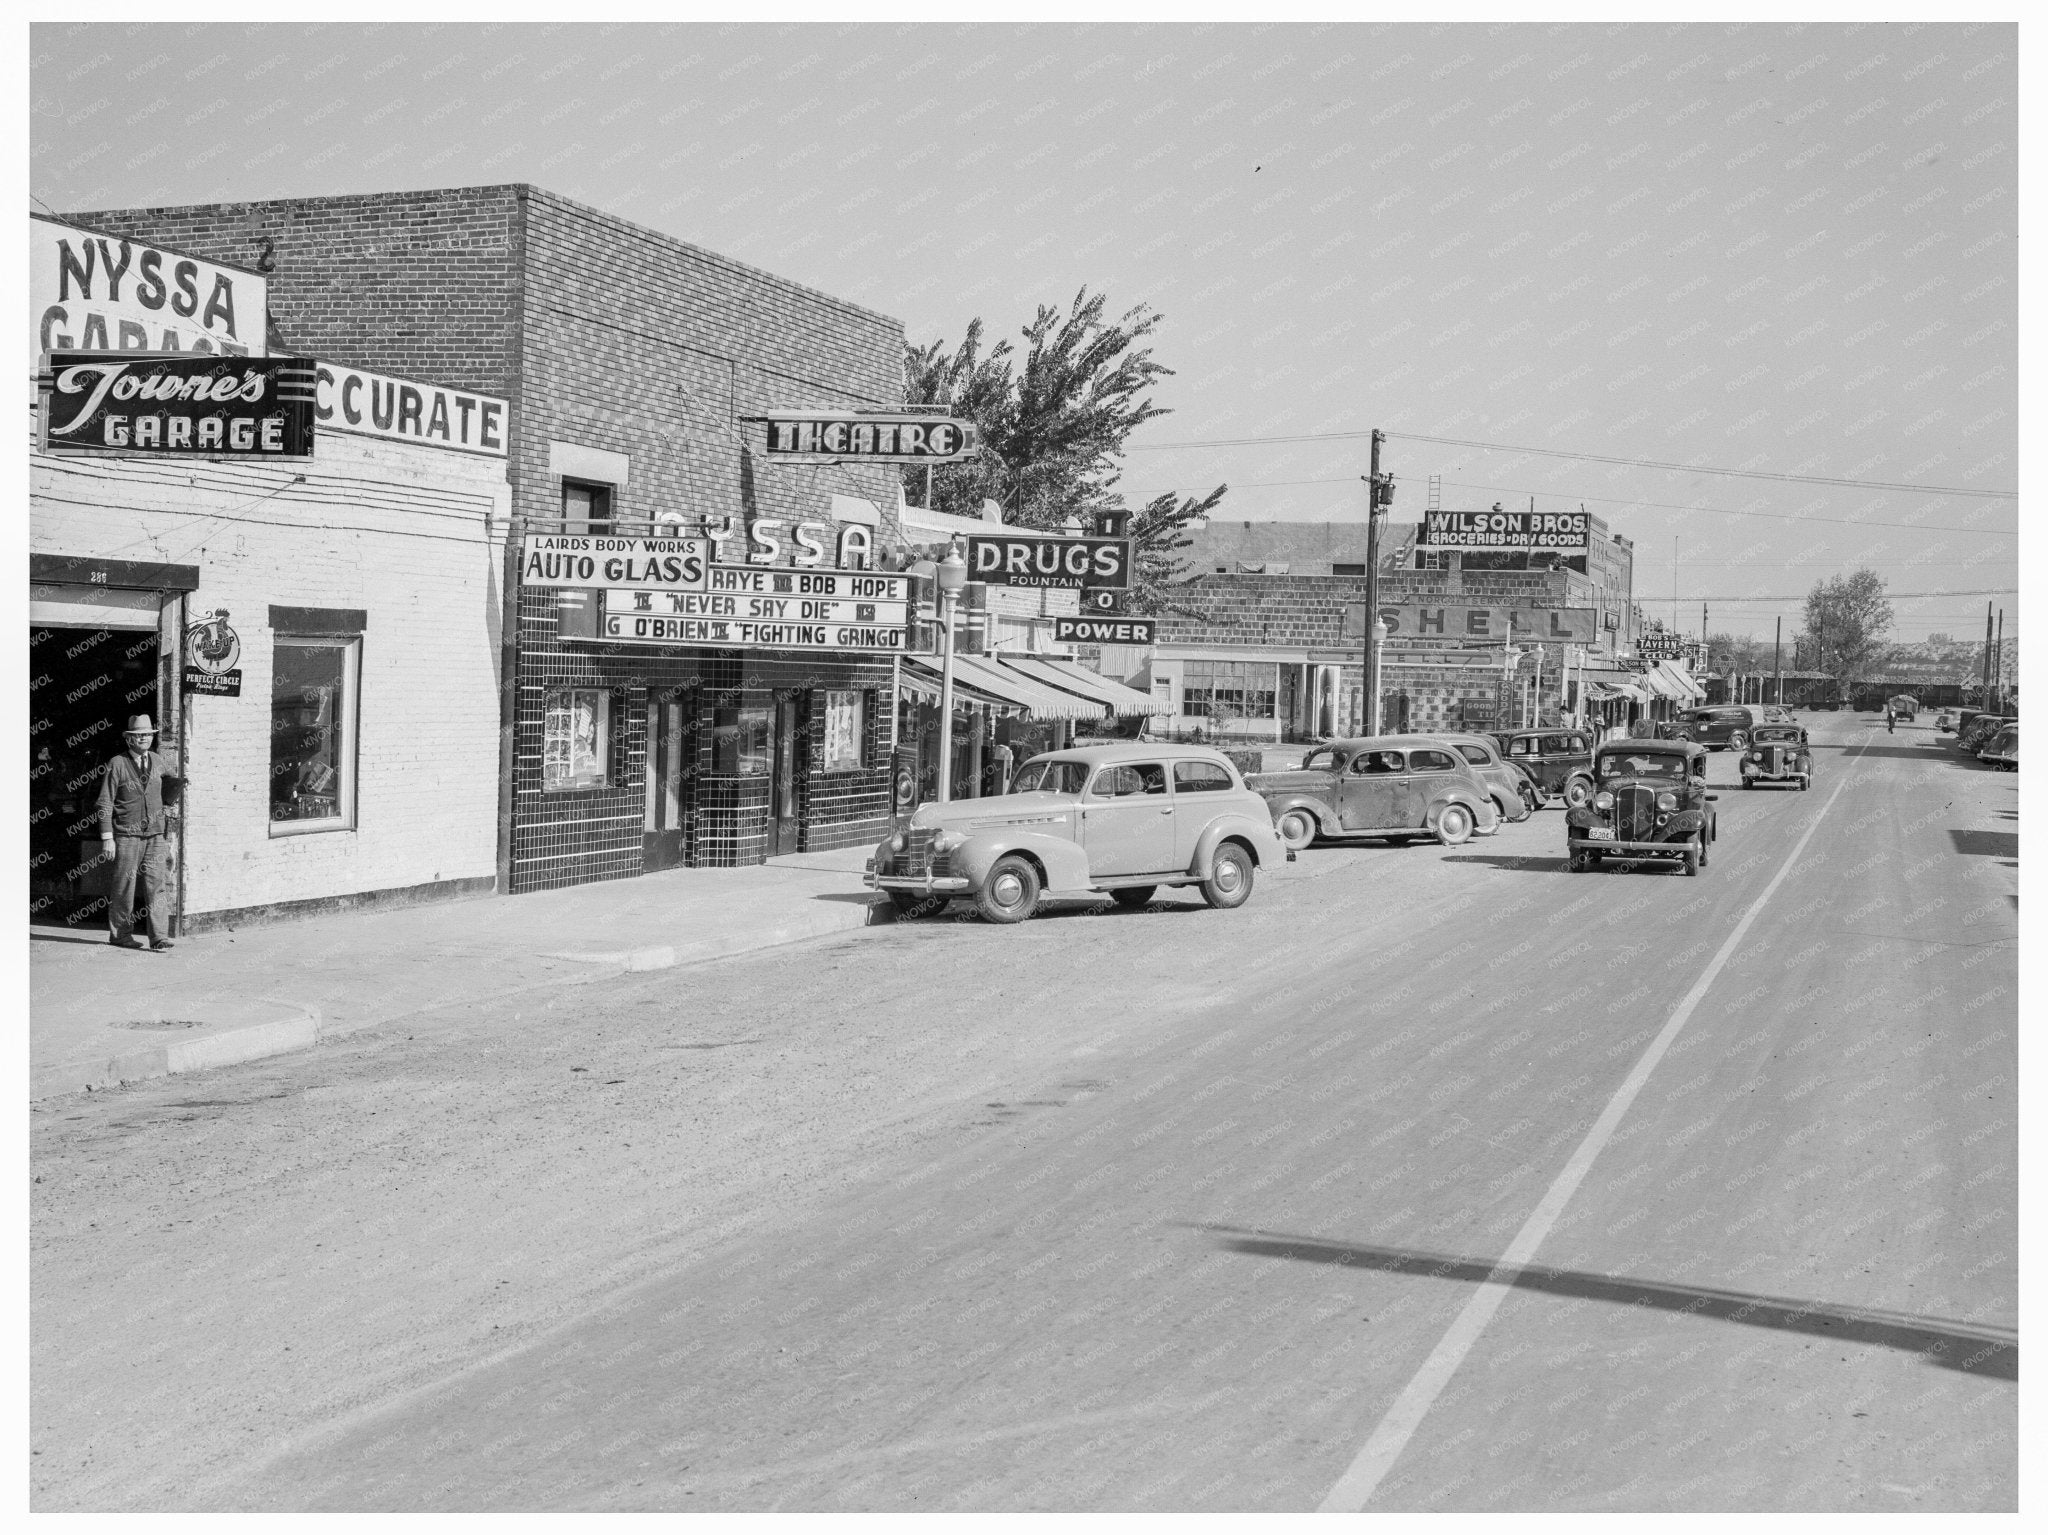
(1559, 760)
(1505, 782)
(1398, 788)
(1723, 726)
(2003, 749)
(1971, 738)
(1119, 820)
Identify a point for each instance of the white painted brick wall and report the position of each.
(427, 766)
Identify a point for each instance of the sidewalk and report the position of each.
(100, 1015)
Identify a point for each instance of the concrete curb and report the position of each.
(295, 1029)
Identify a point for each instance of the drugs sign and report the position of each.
(1037, 560)
(238, 407)
(1105, 631)
(1565, 532)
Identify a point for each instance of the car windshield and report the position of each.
(1771, 733)
(1051, 775)
(1642, 765)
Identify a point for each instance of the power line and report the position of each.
(1593, 458)
(1995, 591)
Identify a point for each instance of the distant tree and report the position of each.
(1734, 653)
(1847, 619)
(1054, 421)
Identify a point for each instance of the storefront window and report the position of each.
(575, 739)
(845, 728)
(312, 735)
(739, 742)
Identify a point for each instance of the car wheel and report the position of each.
(1500, 810)
(1737, 739)
(1692, 859)
(1577, 863)
(1297, 829)
(1805, 784)
(1529, 798)
(910, 904)
(1576, 792)
(1230, 877)
(1010, 893)
(1704, 839)
(1453, 825)
(1134, 897)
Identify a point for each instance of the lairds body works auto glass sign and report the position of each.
(244, 407)
(602, 560)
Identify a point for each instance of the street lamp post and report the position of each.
(952, 579)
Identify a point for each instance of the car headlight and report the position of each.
(898, 843)
(946, 841)
(1603, 801)
(1667, 801)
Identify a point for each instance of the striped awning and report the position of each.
(1072, 677)
(916, 681)
(995, 681)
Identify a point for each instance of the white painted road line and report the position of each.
(1361, 1480)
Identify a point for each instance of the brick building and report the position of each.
(1269, 655)
(632, 362)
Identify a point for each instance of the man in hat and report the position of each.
(133, 790)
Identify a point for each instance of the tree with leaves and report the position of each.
(1053, 422)
(1847, 619)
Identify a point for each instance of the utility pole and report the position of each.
(1998, 662)
(1376, 495)
(1778, 661)
(1985, 689)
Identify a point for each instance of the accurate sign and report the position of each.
(1506, 531)
(101, 293)
(601, 560)
(747, 607)
(240, 407)
(1429, 621)
(378, 405)
(1105, 631)
(1021, 559)
(872, 439)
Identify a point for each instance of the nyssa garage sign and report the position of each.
(100, 293)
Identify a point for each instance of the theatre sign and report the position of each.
(869, 437)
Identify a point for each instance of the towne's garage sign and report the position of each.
(244, 407)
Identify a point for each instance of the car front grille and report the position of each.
(1635, 815)
(917, 860)
(1774, 760)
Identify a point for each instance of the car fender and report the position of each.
(1326, 818)
(1583, 817)
(1264, 841)
(1065, 863)
(1484, 820)
(1682, 827)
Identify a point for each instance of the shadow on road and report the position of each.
(1967, 1346)
(1987, 844)
(1529, 864)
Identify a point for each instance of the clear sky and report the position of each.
(1778, 248)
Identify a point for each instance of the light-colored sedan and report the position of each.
(1120, 820)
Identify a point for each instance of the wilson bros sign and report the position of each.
(1506, 532)
(258, 407)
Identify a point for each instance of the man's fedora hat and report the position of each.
(139, 725)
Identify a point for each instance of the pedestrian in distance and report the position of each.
(1889, 728)
(134, 789)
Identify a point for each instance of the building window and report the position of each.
(1229, 689)
(586, 508)
(576, 739)
(1347, 570)
(845, 730)
(313, 686)
(739, 742)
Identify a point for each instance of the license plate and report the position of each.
(1599, 834)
